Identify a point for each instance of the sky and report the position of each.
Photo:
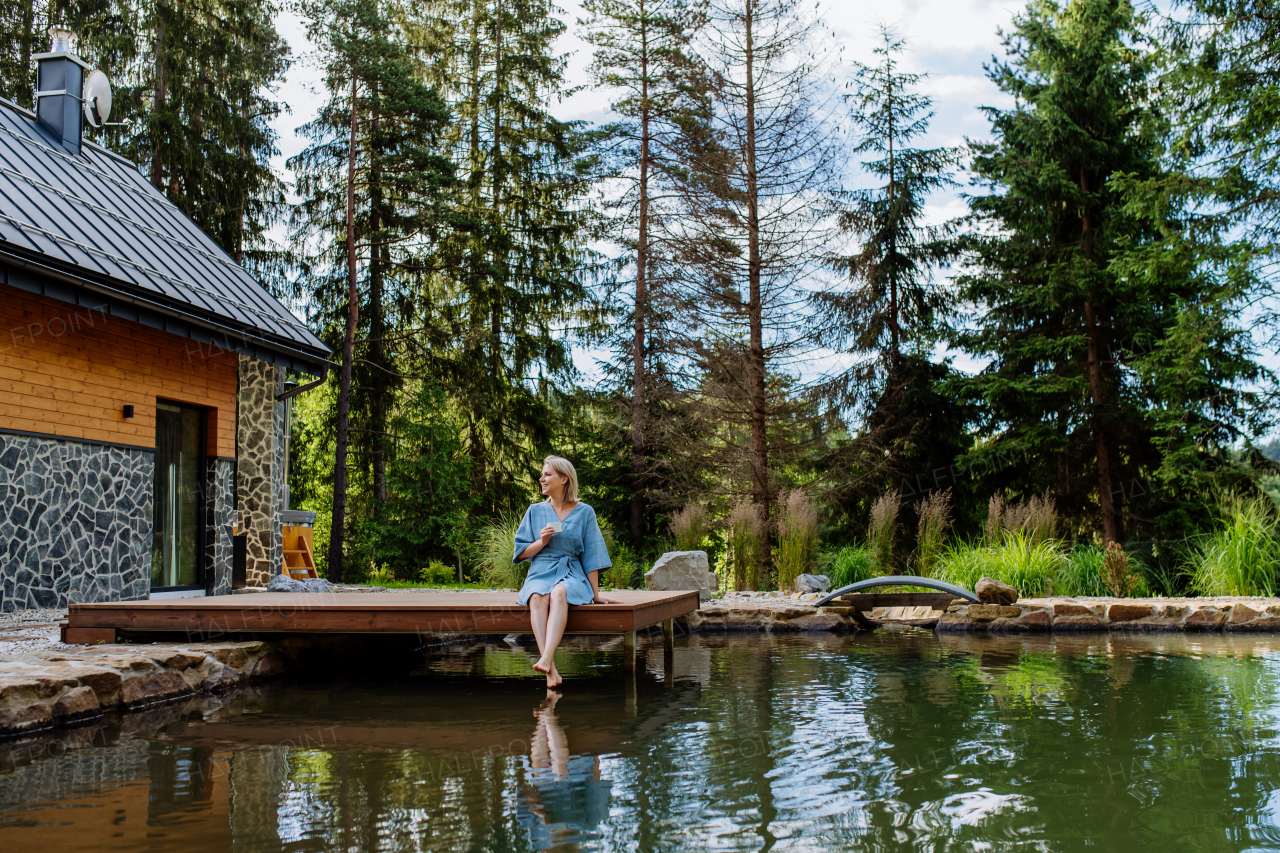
(948, 40)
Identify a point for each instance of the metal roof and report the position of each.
(96, 217)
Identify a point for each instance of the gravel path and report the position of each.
(24, 631)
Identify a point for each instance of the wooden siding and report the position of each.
(69, 371)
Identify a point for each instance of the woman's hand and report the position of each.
(602, 599)
(546, 534)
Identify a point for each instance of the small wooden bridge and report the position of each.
(911, 607)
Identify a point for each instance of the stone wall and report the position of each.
(1114, 614)
(75, 522)
(219, 519)
(260, 467)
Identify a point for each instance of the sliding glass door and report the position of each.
(179, 525)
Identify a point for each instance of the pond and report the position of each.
(883, 741)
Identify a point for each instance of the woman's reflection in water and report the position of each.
(566, 799)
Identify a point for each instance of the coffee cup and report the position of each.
(557, 526)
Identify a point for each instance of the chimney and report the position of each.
(59, 87)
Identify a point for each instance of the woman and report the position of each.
(568, 553)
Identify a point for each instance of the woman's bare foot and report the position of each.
(543, 666)
(554, 678)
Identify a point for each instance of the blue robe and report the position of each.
(567, 558)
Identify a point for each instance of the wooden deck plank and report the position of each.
(398, 613)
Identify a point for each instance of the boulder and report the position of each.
(681, 570)
(282, 583)
(807, 583)
(991, 591)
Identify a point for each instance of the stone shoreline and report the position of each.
(43, 689)
(1114, 614)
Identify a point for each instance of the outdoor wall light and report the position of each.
(128, 411)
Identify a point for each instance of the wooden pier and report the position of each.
(409, 612)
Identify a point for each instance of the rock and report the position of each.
(77, 703)
(988, 612)
(1205, 619)
(991, 591)
(680, 570)
(280, 583)
(1128, 612)
(807, 583)
(1070, 608)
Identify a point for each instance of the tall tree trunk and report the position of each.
(162, 93)
(348, 353)
(28, 37)
(639, 365)
(477, 443)
(755, 320)
(377, 327)
(895, 340)
(1097, 390)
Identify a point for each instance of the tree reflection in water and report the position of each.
(565, 799)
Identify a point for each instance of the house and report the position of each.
(144, 376)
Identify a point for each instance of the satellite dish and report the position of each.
(97, 99)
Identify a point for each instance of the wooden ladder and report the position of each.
(300, 563)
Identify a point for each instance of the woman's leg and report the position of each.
(557, 616)
(538, 605)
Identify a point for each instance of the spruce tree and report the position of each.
(887, 318)
(1057, 320)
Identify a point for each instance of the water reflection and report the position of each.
(872, 742)
(565, 798)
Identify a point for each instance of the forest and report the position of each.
(747, 251)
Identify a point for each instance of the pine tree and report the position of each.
(375, 203)
(1058, 322)
(643, 55)
(888, 318)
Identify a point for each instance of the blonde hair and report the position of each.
(565, 468)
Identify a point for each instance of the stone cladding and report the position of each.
(260, 468)
(219, 518)
(75, 522)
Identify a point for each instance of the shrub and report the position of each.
(380, 575)
(622, 574)
(1241, 558)
(494, 548)
(744, 540)
(935, 517)
(881, 532)
(1081, 573)
(1120, 578)
(690, 526)
(797, 537)
(437, 572)
(1036, 516)
(848, 565)
(1018, 560)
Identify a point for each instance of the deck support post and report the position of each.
(669, 650)
(629, 651)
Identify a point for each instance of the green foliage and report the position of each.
(437, 572)
(494, 548)
(847, 565)
(934, 513)
(624, 573)
(1032, 567)
(1081, 573)
(797, 550)
(427, 516)
(882, 531)
(744, 546)
(1241, 557)
(690, 526)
